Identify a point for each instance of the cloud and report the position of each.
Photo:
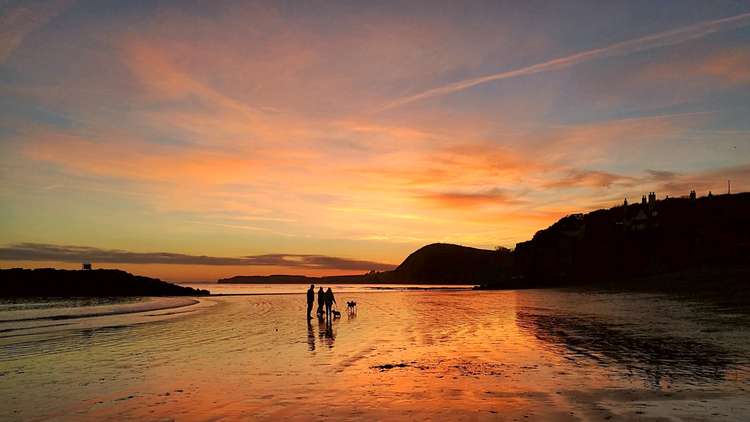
(132, 158)
(588, 178)
(596, 143)
(724, 68)
(21, 18)
(649, 42)
(678, 184)
(248, 124)
(70, 253)
(471, 199)
(661, 175)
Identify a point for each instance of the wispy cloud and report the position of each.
(649, 42)
(71, 253)
(661, 175)
(472, 199)
(20, 18)
(702, 181)
(724, 67)
(589, 178)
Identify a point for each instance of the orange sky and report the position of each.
(350, 130)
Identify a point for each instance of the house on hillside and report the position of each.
(646, 216)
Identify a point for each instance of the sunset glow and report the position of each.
(322, 138)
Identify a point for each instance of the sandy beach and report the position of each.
(421, 355)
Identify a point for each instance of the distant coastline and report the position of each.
(677, 245)
(691, 243)
(438, 263)
(48, 282)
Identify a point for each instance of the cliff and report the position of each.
(636, 241)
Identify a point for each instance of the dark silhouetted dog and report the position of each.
(336, 314)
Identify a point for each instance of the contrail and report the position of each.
(649, 42)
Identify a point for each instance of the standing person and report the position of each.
(330, 300)
(310, 300)
(321, 302)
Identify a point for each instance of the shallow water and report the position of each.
(445, 355)
(251, 289)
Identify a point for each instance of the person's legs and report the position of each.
(309, 309)
(328, 311)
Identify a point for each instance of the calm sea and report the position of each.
(238, 289)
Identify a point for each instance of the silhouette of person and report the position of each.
(310, 300)
(329, 300)
(321, 302)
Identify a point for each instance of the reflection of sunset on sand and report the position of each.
(421, 355)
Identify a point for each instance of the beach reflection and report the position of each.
(310, 336)
(659, 359)
(326, 332)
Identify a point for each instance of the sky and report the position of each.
(193, 140)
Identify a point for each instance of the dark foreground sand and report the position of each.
(527, 355)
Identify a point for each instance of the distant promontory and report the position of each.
(48, 282)
(438, 263)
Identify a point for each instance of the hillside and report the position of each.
(446, 263)
(638, 240)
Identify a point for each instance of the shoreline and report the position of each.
(153, 303)
(383, 290)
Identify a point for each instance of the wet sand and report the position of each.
(526, 355)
